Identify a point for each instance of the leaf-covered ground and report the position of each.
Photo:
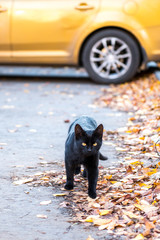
(128, 202)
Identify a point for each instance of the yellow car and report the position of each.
(110, 38)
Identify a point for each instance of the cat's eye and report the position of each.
(84, 144)
(94, 144)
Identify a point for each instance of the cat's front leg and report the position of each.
(77, 169)
(85, 174)
(92, 181)
(70, 169)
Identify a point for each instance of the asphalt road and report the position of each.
(32, 115)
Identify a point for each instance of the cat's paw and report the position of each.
(92, 194)
(68, 186)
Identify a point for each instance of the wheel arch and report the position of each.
(143, 55)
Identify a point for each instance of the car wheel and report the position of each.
(111, 56)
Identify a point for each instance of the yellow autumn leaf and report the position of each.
(108, 177)
(145, 185)
(104, 212)
(91, 218)
(128, 131)
(154, 202)
(139, 237)
(152, 171)
(45, 178)
(137, 163)
(139, 206)
(142, 138)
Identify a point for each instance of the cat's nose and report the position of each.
(89, 149)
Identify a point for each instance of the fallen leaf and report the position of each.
(90, 238)
(100, 221)
(23, 181)
(149, 226)
(46, 202)
(129, 169)
(18, 126)
(104, 212)
(138, 237)
(33, 130)
(91, 218)
(3, 144)
(148, 209)
(66, 120)
(131, 214)
(60, 194)
(12, 130)
(42, 216)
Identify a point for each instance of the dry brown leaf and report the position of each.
(100, 221)
(23, 181)
(131, 215)
(129, 169)
(150, 210)
(149, 225)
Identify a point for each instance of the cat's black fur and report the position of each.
(83, 130)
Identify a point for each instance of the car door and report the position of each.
(46, 30)
(148, 15)
(5, 14)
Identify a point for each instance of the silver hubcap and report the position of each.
(110, 57)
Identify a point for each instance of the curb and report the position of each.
(15, 71)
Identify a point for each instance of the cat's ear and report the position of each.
(79, 132)
(98, 132)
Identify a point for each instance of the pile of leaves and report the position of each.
(128, 202)
(141, 99)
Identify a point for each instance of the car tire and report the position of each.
(111, 56)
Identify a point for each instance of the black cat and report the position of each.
(82, 147)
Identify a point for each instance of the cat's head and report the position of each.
(88, 142)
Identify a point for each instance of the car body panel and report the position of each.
(49, 29)
(145, 29)
(53, 32)
(5, 18)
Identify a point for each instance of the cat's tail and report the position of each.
(101, 157)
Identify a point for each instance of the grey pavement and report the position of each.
(32, 114)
